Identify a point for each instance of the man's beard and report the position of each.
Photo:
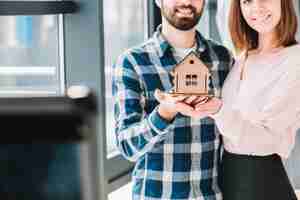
(182, 23)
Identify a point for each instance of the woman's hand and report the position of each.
(209, 108)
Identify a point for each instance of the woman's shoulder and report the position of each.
(293, 50)
(292, 64)
(292, 54)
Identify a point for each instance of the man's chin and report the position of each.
(185, 27)
(184, 23)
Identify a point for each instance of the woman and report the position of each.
(260, 107)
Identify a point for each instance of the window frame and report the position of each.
(117, 169)
(114, 172)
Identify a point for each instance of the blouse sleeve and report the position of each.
(271, 133)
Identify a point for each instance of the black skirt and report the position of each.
(244, 177)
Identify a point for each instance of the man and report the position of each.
(176, 156)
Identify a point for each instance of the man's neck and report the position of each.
(178, 38)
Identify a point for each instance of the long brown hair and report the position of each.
(246, 38)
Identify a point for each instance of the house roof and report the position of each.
(188, 55)
(192, 52)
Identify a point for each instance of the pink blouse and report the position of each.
(261, 113)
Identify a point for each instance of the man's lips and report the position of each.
(185, 11)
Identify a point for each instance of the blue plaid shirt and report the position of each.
(176, 160)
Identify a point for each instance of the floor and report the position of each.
(125, 193)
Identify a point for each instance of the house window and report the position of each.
(191, 80)
(194, 80)
(188, 80)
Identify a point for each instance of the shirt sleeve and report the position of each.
(270, 133)
(136, 132)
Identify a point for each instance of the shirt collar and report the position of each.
(163, 45)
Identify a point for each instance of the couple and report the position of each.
(176, 141)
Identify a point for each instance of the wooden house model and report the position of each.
(191, 77)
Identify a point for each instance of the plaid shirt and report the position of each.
(176, 160)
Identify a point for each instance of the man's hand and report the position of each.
(168, 107)
(171, 105)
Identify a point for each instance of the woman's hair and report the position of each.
(246, 38)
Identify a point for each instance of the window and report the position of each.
(194, 80)
(191, 80)
(208, 22)
(297, 5)
(222, 16)
(188, 80)
(124, 27)
(29, 56)
(203, 25)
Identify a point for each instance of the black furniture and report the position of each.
(40, 145)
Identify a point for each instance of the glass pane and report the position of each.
(297, 5)
(29, 60)
(120, 18)
(223, 23)
(203, 25)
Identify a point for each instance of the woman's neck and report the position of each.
(267, 43)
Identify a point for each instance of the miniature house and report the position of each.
(191, 76)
